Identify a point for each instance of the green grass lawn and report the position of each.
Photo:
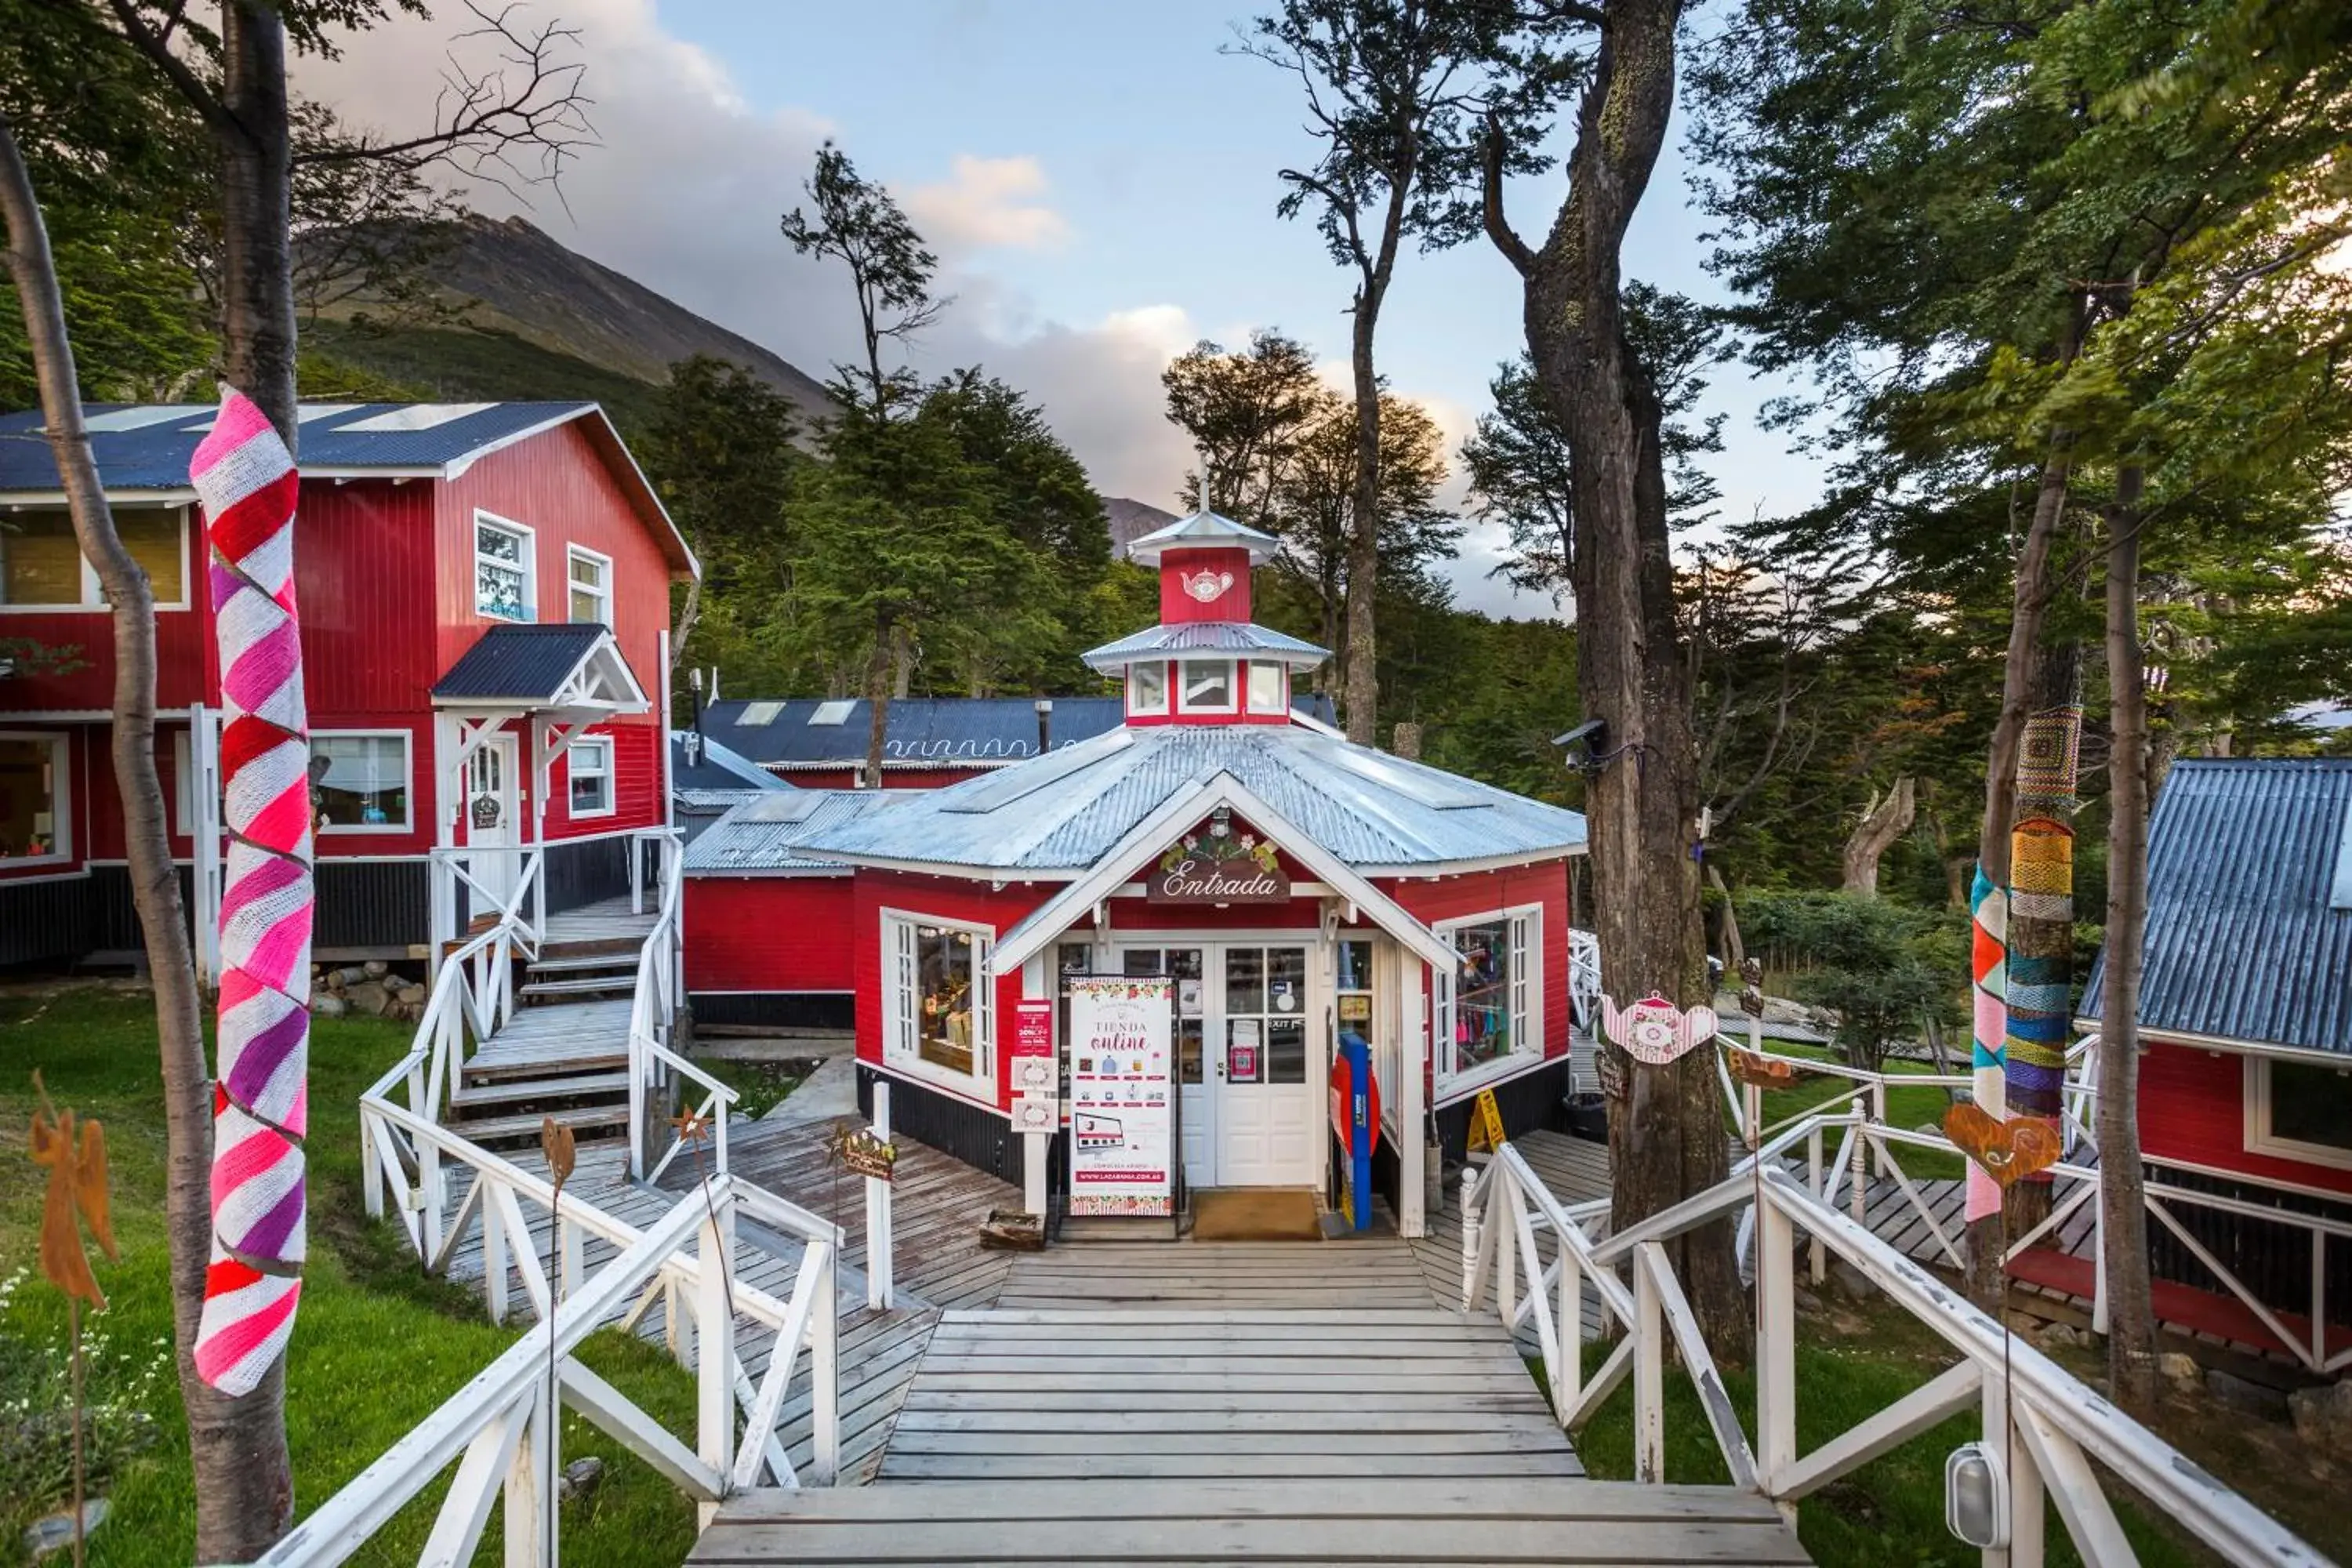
(378, 1345)
(1907, 1108)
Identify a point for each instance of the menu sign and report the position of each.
(1122, 1096)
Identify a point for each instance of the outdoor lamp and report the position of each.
(1976, 1497)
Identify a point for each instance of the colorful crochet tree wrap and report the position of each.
(1988, 975)
(246, 479)
(2041, 914)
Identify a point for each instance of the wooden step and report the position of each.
(496, 1070)
(586, 1122)
(578, 985)
(525, 1090)
(566, 962)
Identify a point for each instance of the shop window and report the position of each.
(2299, 1110)
(1183, 965)
(590, 582)
(41, 566)
(1492, 1020)
(1266, 688)
(1207, 686)
(502, 569)
(940, 1018)
(33, 804)
(588, 765)
(1147, 687)
(359, 782)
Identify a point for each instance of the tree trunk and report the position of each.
(1882, 822)
(878, 665)
(258, 334)
(690, 615)
(2123, 1214)
(244, 1483)
(1666, 1141)
(2037, 1008)
(1364, 542)
(1735, 950)
(1989, 901)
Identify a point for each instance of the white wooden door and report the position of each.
(1196, 1107)
(493, 822)
(1266, 1122)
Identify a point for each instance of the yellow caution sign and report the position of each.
(1485, 1122)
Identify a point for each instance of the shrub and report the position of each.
(1881, 967)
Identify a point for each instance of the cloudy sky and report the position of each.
(1097, 177)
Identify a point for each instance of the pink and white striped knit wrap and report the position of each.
(245, 479)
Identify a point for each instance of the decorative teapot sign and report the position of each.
(1654, 1031)
(1219, 866)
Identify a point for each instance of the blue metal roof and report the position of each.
(526, 661)
(766, 833)
(151, 452)
(1066, 811)
(2245, 939)
(1232, 637)
(920, 732)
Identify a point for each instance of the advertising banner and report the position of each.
(1122, 1096)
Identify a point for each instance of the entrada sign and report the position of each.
(1218, 867)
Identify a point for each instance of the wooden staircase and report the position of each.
(566, 1052)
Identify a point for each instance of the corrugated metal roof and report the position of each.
(1206, 636)
(766, 833)
(1366, 807)
(2242, 943)
(697, 763)
(520, 661)
(151, 448)
(1203, 531)
(921, 731)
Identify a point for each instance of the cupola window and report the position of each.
(1265, 683)
(1208, 686)
(1147, 687)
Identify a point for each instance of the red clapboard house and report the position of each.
(2245, 1083)
(485, 602)
(1293, 888)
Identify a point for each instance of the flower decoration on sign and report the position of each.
(2010, 1151)
(1204, 585)
(1764, 1072)
(1221, 851)
(1654, 1031)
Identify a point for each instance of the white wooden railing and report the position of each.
(653, 1065)
(2046, 1429)
(1583, 977)
(498, 1428)
(1867, 1141)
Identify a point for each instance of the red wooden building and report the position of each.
(1375, 895)
(485, 601)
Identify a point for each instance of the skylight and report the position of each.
(757, 713)
(836, 711)
(314, 411)
(139, 418)
(415, 416)
(2339, 893)
(1416, 784)
(780, 805)
(1019, 783)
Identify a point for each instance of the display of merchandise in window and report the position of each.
(30, 798)
(359, 781)
(1482, 998)
(945, 970)
(501, 573)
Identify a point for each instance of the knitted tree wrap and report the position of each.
(246, 479)
(1989, 976)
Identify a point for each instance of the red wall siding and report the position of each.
(2192, 1107)
(948, 897)
(1480, 892)
(557, 485)
(769, 933)
(182, 639)
(1176, 606)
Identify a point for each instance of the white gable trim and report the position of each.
(1157, 831)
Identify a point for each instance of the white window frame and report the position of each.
(1167, 689)
(61, 801)
(1526, 1003)
(1233, 688)
(93, 592)
(1281, 703)
(530, 537)
(603, 744)
(2259, 1137)
(901, 1044)
(604, 591)
(407, 781)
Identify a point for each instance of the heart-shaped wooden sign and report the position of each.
(2008, 1151)
(1764, 1072)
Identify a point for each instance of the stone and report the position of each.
(55, 1533)
(2061, 1336)
(2178, 1366)
(377, 968)
(1807, 1301)
(2252, 1398)
(1851, 1282)
(2323, 1417)
(327, 1004)
(579, 1478)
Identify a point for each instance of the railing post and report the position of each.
(1469, 1236)
(531, 1509)
(1775, 1349)
(1649, 1375)
(1817, 1254)
(880, 1283)
(1878, 1115)
(2098, 1258)
(1507, 1242)
(493, 1256)
(715, 1346)
(825, 1370)
(636, 1106)
(567, 1248)
(2318, 1299)
(1568, 1377)
(1858, 1201)
(371, 1167)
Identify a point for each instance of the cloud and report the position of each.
(983, 206)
